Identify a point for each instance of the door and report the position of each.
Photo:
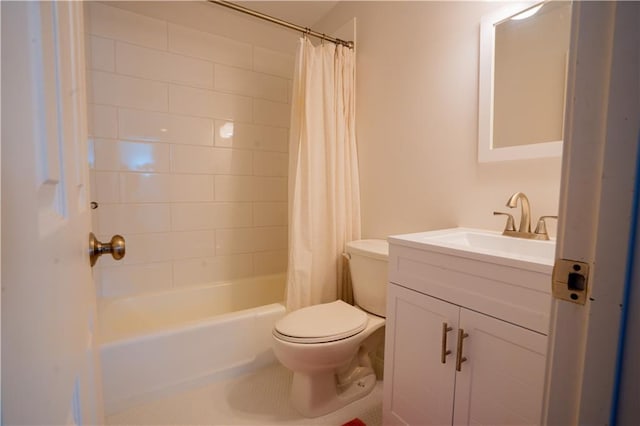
(600, 148)
(502, 380)
(49, 373)
(420, 389)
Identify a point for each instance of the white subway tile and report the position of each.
(249, 83)
(270, 164)
(185, 188)
(290, 91)
(208, 46)
(232, 162)
(272, 62)
(126, 280)
(142, 156)
(128, 219)
(103, 121)
(91, 154)
(112, 22)
(196, 159)
(106, 154)
(107, 187)
(102, 54)
(119, 90)
(269, 238)
(132, 156)
(207, 103)
(271, 113)
(270, 214)
(232, 215)
(235, 241)
(250, 136)
(193, 216)
(234, 188)
(269, 189)
(156, 65)
(192, 159)
(236, 80)
(213, 269)
(148, 126)
(269, 87)
(145, 187)
(193, 244)
(89, 86)
(269, 262)
(248, 240)
(147, 248)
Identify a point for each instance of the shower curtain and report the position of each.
(324, 193)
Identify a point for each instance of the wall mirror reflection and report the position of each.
(523, 68)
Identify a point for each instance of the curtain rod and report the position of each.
(289, 25)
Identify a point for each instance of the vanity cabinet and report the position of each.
(433, 299)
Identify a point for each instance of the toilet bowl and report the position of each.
(327, 346)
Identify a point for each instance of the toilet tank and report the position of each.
(368, 265)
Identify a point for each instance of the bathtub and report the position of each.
(157, 344)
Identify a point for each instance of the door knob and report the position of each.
(96, 249)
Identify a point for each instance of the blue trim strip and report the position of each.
(631, 252)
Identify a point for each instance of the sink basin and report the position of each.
(476, 243)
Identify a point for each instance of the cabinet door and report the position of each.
(418, 386)
(502, 380)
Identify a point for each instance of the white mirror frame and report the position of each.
(486, 151)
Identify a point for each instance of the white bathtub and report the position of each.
(156, 344)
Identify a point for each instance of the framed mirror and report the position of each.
(523, 67)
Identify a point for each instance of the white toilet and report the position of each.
(327, 346)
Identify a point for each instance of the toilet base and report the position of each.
(314, 396)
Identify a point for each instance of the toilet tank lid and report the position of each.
(377, 249)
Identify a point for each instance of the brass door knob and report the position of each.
(96, 249)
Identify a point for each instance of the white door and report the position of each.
(600, 146)
(502, 380)
(49, 373)
(420, 386)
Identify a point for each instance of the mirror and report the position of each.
(523, 66)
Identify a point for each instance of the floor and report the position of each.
(257, 398)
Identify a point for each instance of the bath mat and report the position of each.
(355, 422)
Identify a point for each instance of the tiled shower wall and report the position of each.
(188, 135)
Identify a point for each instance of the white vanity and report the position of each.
(466, 331)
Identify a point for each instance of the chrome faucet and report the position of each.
(524, 229)
(525, 210)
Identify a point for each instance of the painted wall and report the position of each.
(189, 115)
(417, 121)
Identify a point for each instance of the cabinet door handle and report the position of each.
(459, 358)
(445, 351)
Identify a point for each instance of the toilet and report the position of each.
(327, 346)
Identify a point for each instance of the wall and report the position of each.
(189, 114)
(417, 121)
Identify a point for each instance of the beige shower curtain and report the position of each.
(324, 193)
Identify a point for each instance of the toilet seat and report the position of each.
(322, 323)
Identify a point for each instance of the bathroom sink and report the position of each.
(482, 245)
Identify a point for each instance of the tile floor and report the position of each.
(257, 398)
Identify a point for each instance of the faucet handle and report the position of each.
(511, 223)
(541, 227)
